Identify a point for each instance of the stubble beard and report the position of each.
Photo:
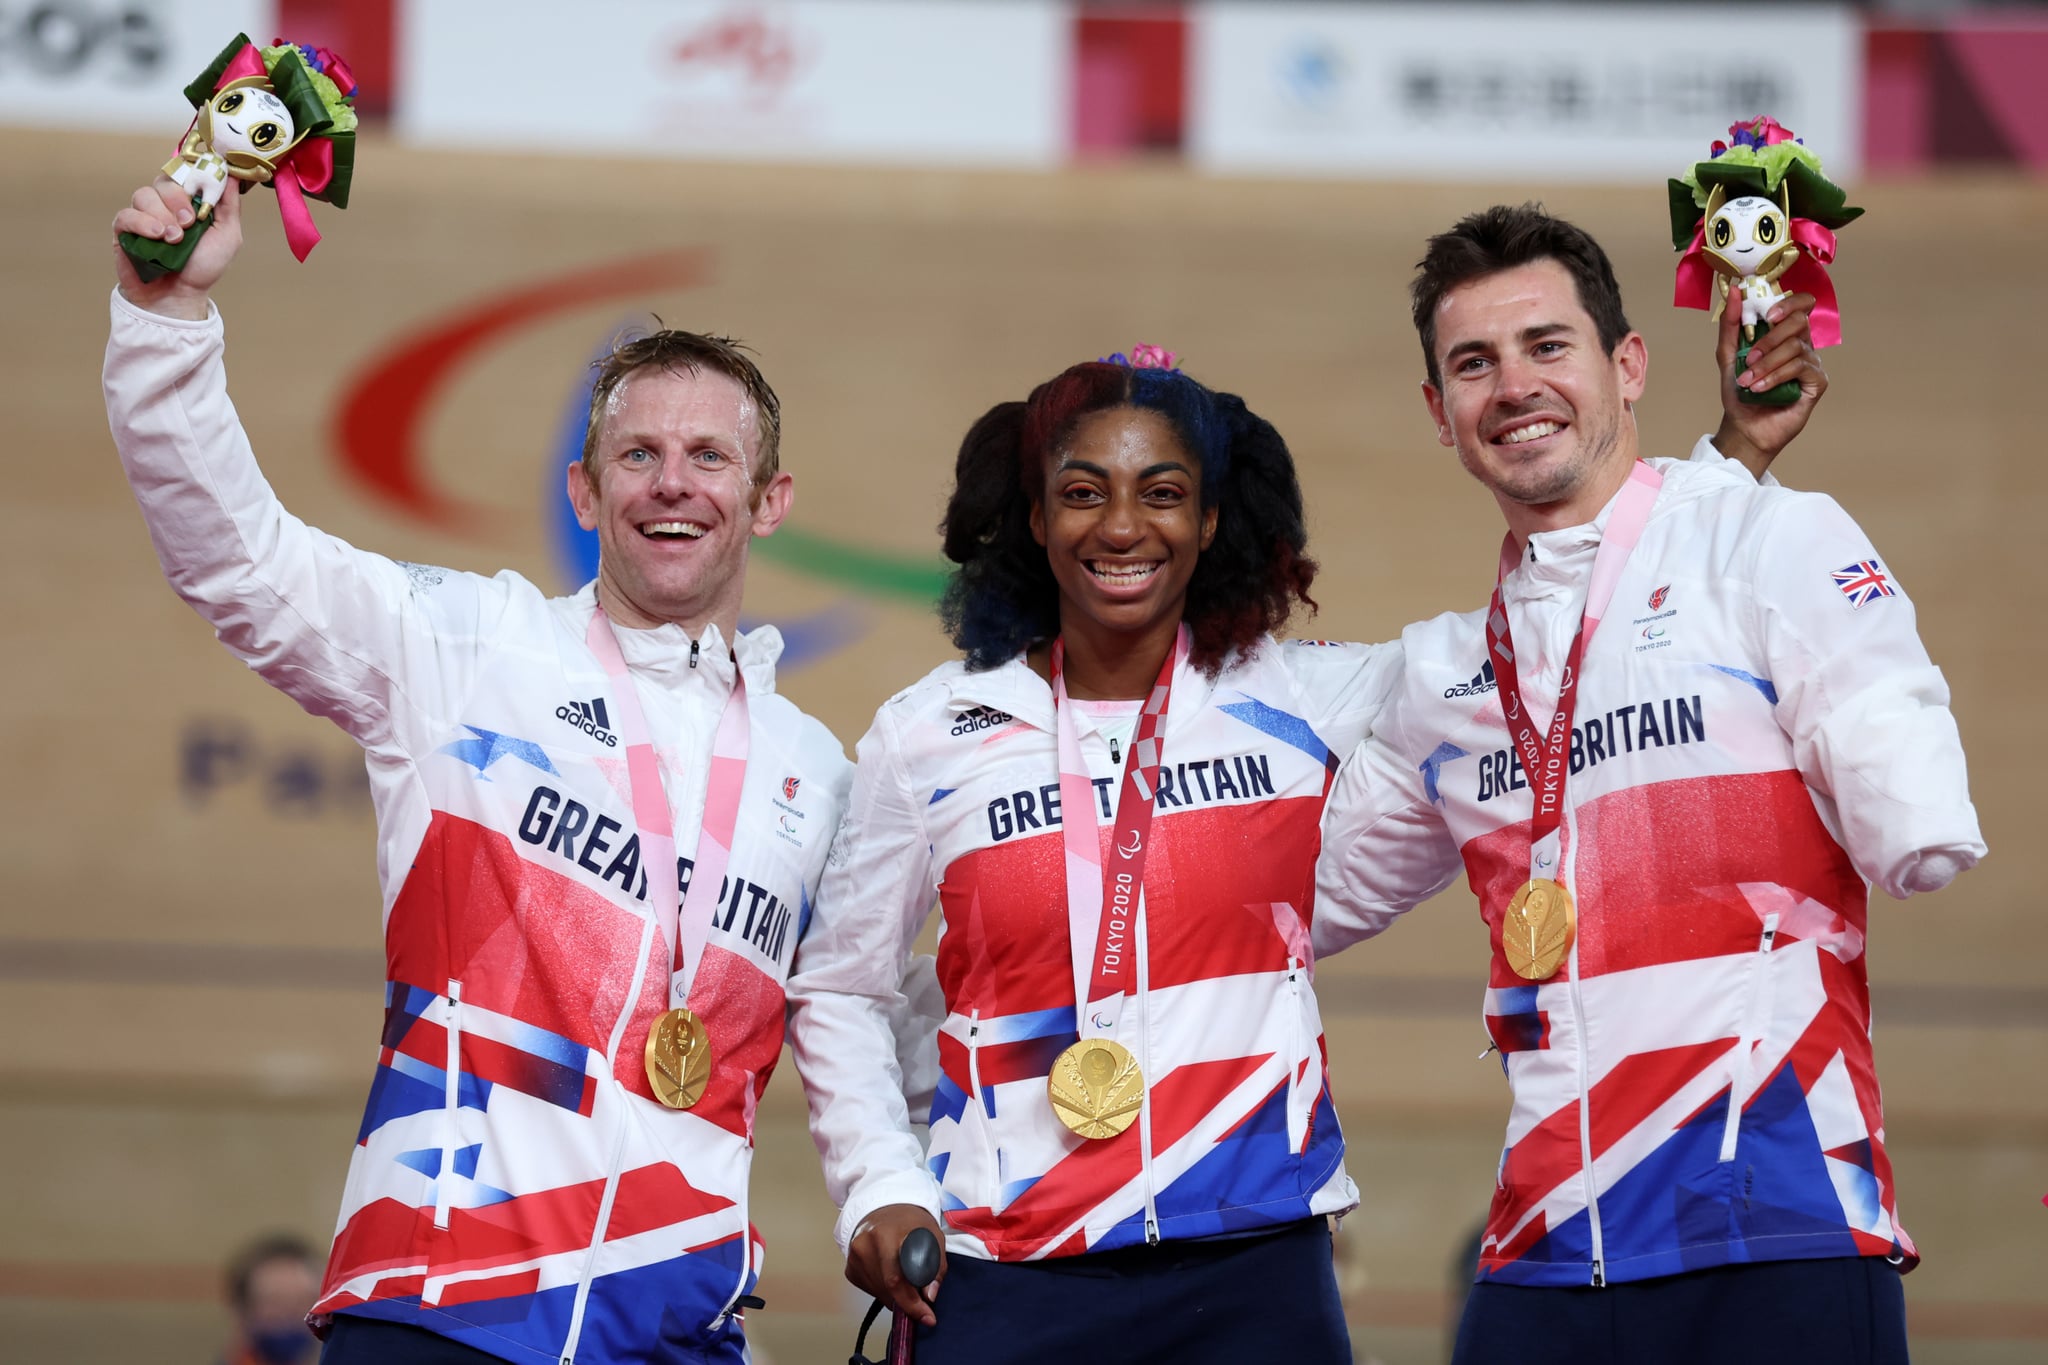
(1544, 486)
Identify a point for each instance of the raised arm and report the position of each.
(844, 996)
(340, 630)
(1756, 433)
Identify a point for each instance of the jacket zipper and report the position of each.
(611, 1179)
(1755, 1017)
(452, 1094)
(1579, 1054)
(1141, 944)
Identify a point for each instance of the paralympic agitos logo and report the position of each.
(378, 423)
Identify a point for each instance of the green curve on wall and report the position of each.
(876, 573)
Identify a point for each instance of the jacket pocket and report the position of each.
(1755, 1019)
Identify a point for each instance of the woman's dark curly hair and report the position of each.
(1003, 599)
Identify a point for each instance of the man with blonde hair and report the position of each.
(599, 834)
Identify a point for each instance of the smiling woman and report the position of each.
(1123, 842)
(1027, 467)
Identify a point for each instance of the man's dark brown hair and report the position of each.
(1501, 238)
(687, 353)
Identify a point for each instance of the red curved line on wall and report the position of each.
(377, 423)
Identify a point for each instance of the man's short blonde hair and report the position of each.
(688, 353)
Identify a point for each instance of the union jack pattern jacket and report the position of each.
(515, 1185)
(956, 800)
(1759, 737)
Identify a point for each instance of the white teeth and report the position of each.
(1532, 432)
(1123, 574)
(673, 528)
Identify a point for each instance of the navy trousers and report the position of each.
(1271, 1296)
(369, 1341)
(1849, 1310)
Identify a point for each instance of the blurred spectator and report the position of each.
(271, 1286)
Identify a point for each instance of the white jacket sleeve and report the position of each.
(1386, 848)
(1346, 686)
(845, 992)
(1866, 710)
(338, 629)
(1704, 451)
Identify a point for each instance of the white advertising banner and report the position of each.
(1517, 92)
(117, 65)
(922, 81)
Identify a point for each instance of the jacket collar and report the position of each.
(1566, 555)
(1016, 689)
(663, 653)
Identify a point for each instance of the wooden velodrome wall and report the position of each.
(188, 932)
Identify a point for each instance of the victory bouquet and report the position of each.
(1760, 214)
(279, 115)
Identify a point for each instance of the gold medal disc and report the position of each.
(1096, 1088)
(678, 1059)
(1536, 932)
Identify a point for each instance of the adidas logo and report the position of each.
(980, 718)
(590, 718)
(1482, 683)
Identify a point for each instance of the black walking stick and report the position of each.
(918, 1258)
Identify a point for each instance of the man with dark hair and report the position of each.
(271, 1284)
(581, 802)
(1671, 826)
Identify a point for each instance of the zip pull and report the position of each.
(1151, 1233)
(1491, 1048)
(1115, 756)
(1599, 1276)
(694, 646)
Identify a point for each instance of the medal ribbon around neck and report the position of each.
(1103, 900)
(1545, 758)
(1096, 1087)
(685, 920)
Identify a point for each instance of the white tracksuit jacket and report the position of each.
(515, 1185)
(1759, 735)
(957, 799)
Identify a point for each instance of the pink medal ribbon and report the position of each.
(686, 920)
(1545, 758)
(1104, 981)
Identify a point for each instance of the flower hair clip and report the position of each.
(1144, 358)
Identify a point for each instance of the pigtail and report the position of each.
(1002, 599)
(1256, 569)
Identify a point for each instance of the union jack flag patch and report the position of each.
(1864, 581)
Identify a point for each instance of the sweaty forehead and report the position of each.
(679, 405)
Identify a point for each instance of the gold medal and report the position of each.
(1536, 932)
(1096, 1088)
(678, 1059)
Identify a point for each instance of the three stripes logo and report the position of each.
(1481, 684)
(590, 718)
